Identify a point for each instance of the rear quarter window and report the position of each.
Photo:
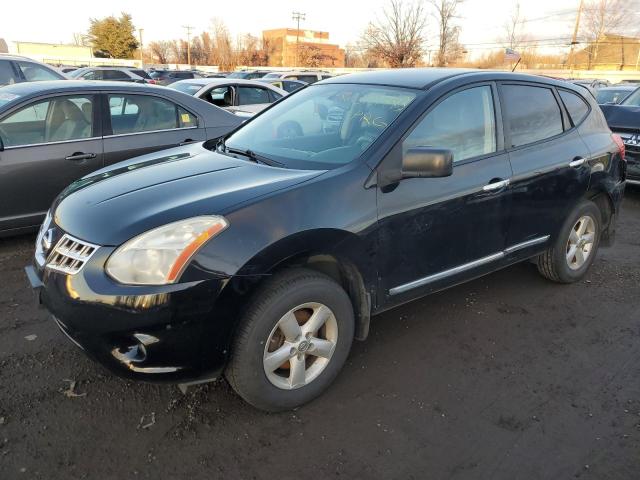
(578, 109)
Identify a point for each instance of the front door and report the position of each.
(47, 145)
(437, 231)
(137, 124)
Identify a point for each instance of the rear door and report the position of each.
(48, 143)
(136, 124)
(550, 163)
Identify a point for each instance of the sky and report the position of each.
(482, 21)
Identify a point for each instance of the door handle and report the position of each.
(492, 187)
(77, 156)
(577, 162)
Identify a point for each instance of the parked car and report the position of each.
(52, 133)
(16, 69)
(167, 77)
(232, 94)
(67, 70)
(113, 74)
(286, 85)
(263, 255)
(594, 83)
(614, 95)
(624, 119)
(307, 76)
(248, 74)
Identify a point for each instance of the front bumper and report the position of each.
(157, 333)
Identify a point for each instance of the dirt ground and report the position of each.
(507, 377)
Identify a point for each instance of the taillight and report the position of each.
(618, 139)
(151, 81)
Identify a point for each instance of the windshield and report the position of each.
(324, 126)
(238, 75)
(77, 73)
(186, 87)
(611, 96)
(633, 100)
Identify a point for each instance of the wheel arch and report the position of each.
(339, 254)
(603, 200)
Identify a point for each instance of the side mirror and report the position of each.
(427, 162)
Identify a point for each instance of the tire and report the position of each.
(280, 318)
(558, 264)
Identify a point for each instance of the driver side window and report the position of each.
(221, 97)
(464, 123)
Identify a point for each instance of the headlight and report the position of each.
(159, 256)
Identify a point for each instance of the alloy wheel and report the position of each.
(581, 241)
(300, 346)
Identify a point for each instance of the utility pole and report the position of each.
(140, 30)
(574, 39)
(188, 28)
(297, 16)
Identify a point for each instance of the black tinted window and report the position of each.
(114, 75)
(575, 105)
(183, 75)
(532, 113)
(7, 75)
(141, 73)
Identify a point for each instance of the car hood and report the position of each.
(117, 203)
(622, 117)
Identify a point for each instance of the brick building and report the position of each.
(314, 49)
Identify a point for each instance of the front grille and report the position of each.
(70, 255)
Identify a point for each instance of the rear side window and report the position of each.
(464, 123)
(141, 73)
(7, 75)
(252, 95)
(576, 106)
(532, 114)
(142, 113)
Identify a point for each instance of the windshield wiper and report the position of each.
(251, 155)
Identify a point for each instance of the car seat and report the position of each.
(67, 122)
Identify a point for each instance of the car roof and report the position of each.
(24, 89)
(220, 81)
(425, 78)
(8, 56)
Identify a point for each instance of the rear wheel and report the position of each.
(293, 340)
(569, 259)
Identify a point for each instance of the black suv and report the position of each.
(264, 254)
(167, 77)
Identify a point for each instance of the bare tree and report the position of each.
(514, 29)
(606, 16)
(398, 38)
(449, 49)
(160, 51)
(81, 39)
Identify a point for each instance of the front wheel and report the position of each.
(568, 260)
(293, 340)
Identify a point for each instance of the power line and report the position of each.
(297, 16)
(188, 28)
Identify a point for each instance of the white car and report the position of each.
(307, 76)
(239, 96)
